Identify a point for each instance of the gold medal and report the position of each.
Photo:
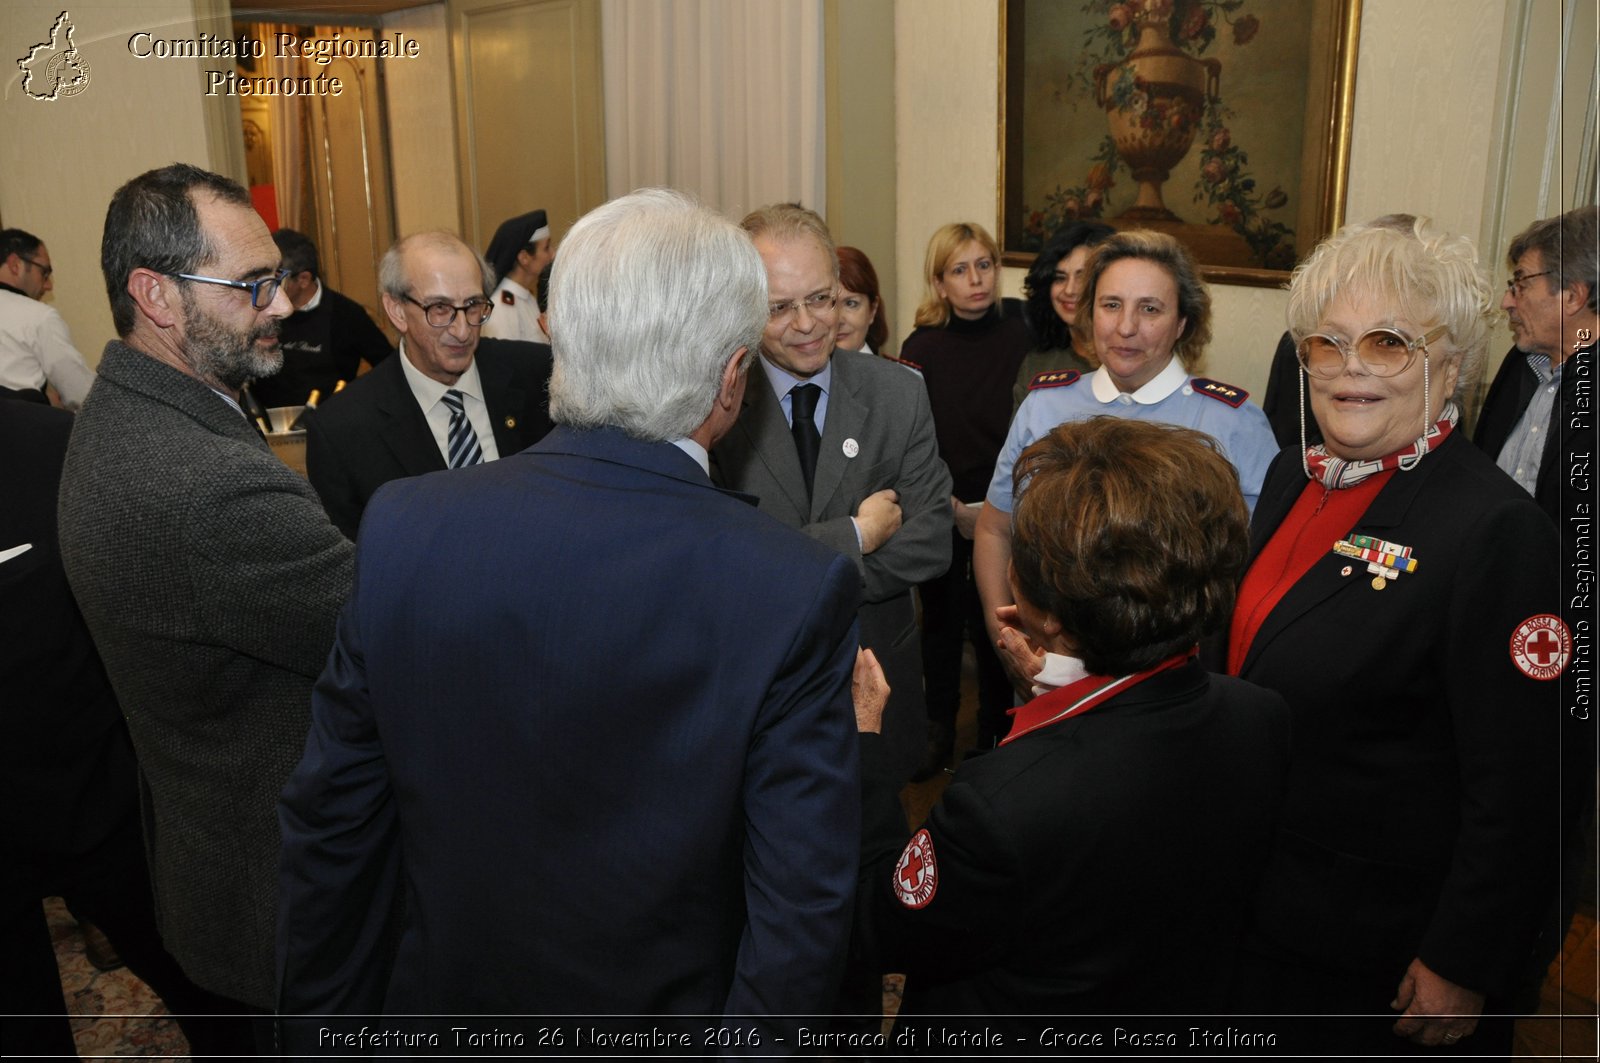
(1378, 583)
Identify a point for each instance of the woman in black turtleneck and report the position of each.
(969, 345)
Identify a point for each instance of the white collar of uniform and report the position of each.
(429, 391)
(313, 302)
(516, 289)
(783, 381)
(695, 451)
(1157, 388)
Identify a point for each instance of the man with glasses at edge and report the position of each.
(1532, 425)
(206, 571)
(453, 399)
(35, 347)
(861, 471)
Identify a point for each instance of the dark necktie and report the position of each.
(463, 441)
(807, 442)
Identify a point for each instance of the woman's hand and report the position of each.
(869, 689)
(1437, 1011)
(1020, 657)
(966, 517)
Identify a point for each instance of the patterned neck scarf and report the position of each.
(1334, 473)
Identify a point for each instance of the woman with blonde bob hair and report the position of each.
(969, 345)
(1402, 597)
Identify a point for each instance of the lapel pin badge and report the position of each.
(851, 448)
(511, 422)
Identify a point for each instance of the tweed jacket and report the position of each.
(210, 579)
(878, 434)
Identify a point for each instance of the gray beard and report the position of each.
(226, 356)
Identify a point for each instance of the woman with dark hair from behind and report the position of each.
(862, 324)
(1122, 825)
(1051, 293)
(968, 344)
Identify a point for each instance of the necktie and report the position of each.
(464, 448)
(807, 442)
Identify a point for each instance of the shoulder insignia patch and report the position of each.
(916, 875)
(1055, 378)
(507, 298)
(1541, 646)
(1216, 389)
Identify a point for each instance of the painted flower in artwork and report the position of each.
(1225, 183)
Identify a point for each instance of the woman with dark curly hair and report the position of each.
(1051, 293)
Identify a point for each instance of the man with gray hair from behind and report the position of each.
(605, 703)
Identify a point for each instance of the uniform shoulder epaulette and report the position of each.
(1216, 389)
(507, 298)
(1055, 378)
(913, 366)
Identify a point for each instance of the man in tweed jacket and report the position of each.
(207, 571)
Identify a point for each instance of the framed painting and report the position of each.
(1223, 122)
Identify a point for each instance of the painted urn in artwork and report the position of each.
(1154, 100)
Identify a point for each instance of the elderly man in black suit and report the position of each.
(206, 570)
(860, 472)
(451, 400)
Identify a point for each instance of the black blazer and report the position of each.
(1420, 818)
(1509, 396)
(373, 431)
(67, 769)
(1053, 854)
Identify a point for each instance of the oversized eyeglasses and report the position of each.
(1381, 351)
(816, 303)
(1519, 282)
(262, 292)
(443, 314)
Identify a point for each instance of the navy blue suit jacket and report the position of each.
(591, 714)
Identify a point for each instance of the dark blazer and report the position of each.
(1509, 395)
(68, 772)
(210, 579)
(619, 781)
(883, 407)
(1106, 864)
(1420, 818)
(373, 431)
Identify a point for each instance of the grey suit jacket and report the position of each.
(883, 408)
(210, 579)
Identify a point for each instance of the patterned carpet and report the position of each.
(113, 1013)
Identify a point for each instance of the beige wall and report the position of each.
(62, 159)
(1421, 139)
(422, 125)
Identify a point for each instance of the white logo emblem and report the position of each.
(851, 448)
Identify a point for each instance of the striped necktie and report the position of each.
(464, 448)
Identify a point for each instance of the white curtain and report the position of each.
(288, 133)
(719, 98)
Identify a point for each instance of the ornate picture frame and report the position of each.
(1223, 122)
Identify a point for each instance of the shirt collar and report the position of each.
(516, 289)
(782, 381)
(313, 302)
(1540, 364)
(429, 391)
(695, 451)
(1164, 383)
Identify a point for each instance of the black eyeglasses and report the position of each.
(262, 292)
(443, 314)
(44, 270)
(1519, 282)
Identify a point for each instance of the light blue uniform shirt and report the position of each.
(1523, 451)
(1171, 398)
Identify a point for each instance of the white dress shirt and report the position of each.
(429, 394)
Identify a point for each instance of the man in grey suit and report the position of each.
(859, 470)
(206, 569)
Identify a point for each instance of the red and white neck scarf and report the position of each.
(1079, 697)
(1334, 473)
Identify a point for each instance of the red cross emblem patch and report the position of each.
(916, 876)
(1541, 646)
